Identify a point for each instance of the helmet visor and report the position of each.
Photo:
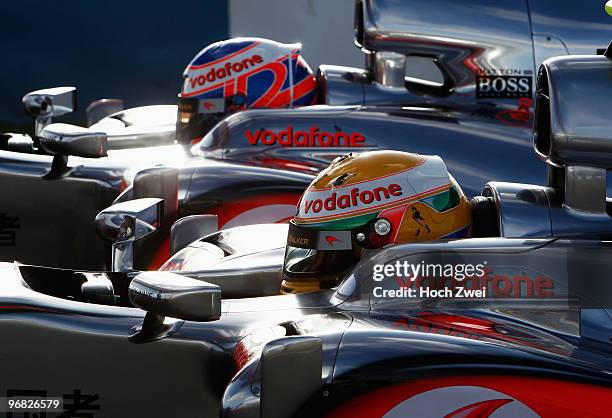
(195, 119)
(313, 255)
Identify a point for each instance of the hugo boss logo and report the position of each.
(504, 84)
(313, 137)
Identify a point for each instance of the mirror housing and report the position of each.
(190, 228)
(576, 145)
(102, 108)
(168, 294)
(127, 222)
(161, 182)
(65, 139)
(47, 103)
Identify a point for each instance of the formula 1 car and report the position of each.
(537, 344)
(253, 166)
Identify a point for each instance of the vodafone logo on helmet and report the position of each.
(221, 71)
(426, 178)
(352, 199)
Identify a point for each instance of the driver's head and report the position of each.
(369, 200)
(238, 74)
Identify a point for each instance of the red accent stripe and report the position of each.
(269, 95)
(161, 255)
(302, 88)
(545, 396)
(229, 88)
(395, 216)
(482, 409)
(228, 211)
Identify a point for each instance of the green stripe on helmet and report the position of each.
(443, 201)
(346, 224)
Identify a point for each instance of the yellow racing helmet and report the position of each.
(369, 200)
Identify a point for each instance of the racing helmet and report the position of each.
(369, 200)
(238, 74)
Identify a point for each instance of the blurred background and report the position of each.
(137, 50)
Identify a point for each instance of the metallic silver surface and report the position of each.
(585, 188)
(523, 209)
(134, 219)
(572, 130)
(97, 288)
(143, 126)
(493, 37)
(176, 296)
(127, 222)
(65, 139)
(390, 69)
(547, 46)
(485, 36)
(358, 339)
(382, 227)
(582, 26)
(341, 86)
(122, 256)
(102, 108)
(160, 182)
(573, 118)
(47, 103)
(191, 228)
(570, 223)
(244, 261)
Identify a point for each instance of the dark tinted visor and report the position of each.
(191, 123)
(314, 255)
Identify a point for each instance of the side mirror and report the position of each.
(164, 294)
(47, 103)
(176, 296)
(125, 223)
(190, 228)
(64, 139)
